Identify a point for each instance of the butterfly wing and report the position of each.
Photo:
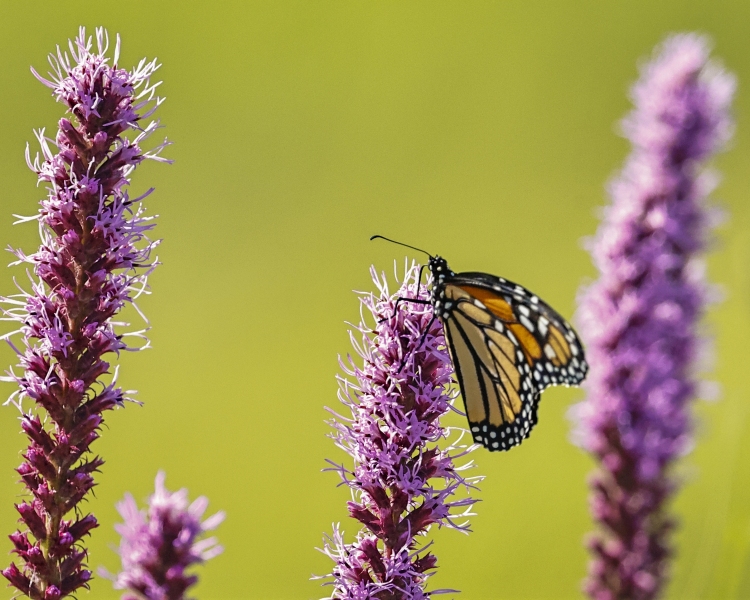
(507, 346)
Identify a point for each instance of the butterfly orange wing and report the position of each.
(507, 346)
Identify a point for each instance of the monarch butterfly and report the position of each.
(507, 346)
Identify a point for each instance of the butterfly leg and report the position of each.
(424, 335)
(398, 301)
(419, 278)
(426, 331)
(421, 341)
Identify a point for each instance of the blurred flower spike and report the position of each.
(401, 482)
(640, 319)
(160, 543)
(94, 258)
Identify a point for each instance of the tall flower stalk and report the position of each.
(640, 318)
(401, 481)
(94, 258)
(160, 543)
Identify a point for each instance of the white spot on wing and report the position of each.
(543, 322)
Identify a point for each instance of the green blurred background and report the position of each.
(483, 131)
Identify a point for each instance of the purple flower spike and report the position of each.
(402, 483)
(94, 258)
(159, 544)
(640, 318)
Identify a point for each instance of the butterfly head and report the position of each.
(439, 268)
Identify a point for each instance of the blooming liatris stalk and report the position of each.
(401, 481)
(640, 318)
(94, 258)
(160, 543)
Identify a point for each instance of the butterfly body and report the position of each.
(507, 346)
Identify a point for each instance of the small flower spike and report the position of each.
(94, 258)
(160, 543)
(401, 482)
(640, 318)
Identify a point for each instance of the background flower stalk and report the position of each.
(94, 258)
(640, 318)
(401, 482)
(160, 543)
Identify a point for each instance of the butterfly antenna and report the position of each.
(400, 244)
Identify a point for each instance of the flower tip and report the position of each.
(214, 521)
(159, 482)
